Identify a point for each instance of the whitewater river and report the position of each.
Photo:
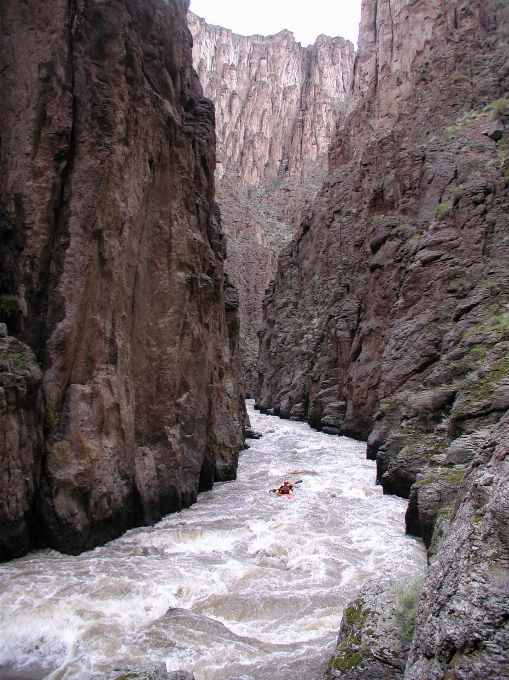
(244, 584)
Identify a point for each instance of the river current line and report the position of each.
(238, 586)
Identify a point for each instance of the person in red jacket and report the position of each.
(285, 488)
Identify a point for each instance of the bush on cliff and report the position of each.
(10, 311)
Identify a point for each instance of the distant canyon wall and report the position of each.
(388, 317)
(128, 402)
(277, 105)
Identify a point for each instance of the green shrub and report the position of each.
(10, 310)
(49, 417)
(499, 109)
(406, 613)
(443, 209)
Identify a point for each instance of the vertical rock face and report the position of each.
(388, 317)
(276, 102)
(276, 110)
(404, 249)
(461, 629)
(113, 246)
(21, 443)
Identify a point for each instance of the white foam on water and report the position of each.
(241, 585)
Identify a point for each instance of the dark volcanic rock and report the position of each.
(145, 671)
(388, 317)
(376, 633)
(114, 250)
(461, 630)
(462, 625)
(21, 445)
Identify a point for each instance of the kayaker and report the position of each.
(285, 488)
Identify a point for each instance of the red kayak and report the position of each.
(284, 495)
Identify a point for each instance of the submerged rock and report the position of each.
(252, 434)
(146, 671)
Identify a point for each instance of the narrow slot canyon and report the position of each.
(232, 260)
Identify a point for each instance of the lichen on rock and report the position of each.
(376, 632)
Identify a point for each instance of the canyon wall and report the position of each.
(120, 395)
(276, 104)
(388, 319)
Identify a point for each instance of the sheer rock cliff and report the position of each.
(112, 249)
(276, 104)
(388, 317)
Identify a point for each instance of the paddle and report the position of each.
(299, 481)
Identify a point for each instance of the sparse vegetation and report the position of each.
(455, 475)
(346, 659)
(49, 417)
(499, 109)
(477, 353)
(443, 209)
(354, 614)
(348, 654)
(406, 613)
(414, 240)
(450, 134)
(10, 310)
(459, 286)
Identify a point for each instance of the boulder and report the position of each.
(494, 130)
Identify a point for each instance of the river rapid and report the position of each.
(243, 584)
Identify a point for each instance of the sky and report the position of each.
(307, 19)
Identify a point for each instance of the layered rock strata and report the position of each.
(112, 245)
(388, 317)
(276, 110)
